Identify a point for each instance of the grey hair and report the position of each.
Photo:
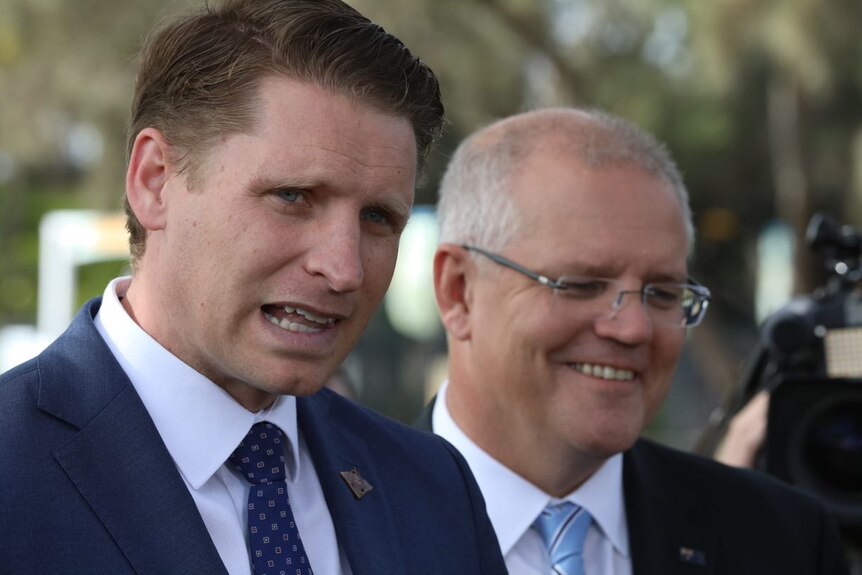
(476, 205)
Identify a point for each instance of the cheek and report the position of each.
(666, 352)
(521, 346)
(668, 347)
(378, 261)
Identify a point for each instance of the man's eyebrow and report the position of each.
(611, 271)
(260, 182)
(399, 212)
(399, 209)
(669, 279)
(607, 271)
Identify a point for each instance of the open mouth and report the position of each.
(604, 371)
(296, 319)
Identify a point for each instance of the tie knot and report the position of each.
(260, 455)
(563, 529)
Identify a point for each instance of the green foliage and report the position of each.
(92, 278)
(19, 234)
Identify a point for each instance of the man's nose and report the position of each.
(627, 320)
(337, 255)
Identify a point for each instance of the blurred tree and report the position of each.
(799, 59)
(66, 75)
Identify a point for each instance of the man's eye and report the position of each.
(583, 287)
(664, 296)
(376, 215)
(289, 196)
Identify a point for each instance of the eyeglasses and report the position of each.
(667, 303)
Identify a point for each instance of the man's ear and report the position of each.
(148, 172)
(452, 272)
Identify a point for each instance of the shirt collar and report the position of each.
(513, 503)
(200, 423)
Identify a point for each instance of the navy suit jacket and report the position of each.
(88, 486)
(688, 515)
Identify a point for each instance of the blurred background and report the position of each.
(760, 101)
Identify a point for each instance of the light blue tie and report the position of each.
(563, 528)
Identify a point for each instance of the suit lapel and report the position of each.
(364, 526)
(117, 460)
(666, 534)
(425, 421)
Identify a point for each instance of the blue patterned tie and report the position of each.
(275, 544)
(563, 528)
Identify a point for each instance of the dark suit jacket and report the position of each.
(88, 486)
(688, 515)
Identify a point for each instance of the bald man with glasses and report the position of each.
(562, 281)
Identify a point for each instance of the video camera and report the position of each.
(810, 360)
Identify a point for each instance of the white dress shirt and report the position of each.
(201, 425)
(514, 503)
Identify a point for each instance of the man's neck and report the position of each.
(555, 467)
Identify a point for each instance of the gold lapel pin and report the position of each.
(356, 483)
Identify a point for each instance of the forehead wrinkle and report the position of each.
(613, 271)
(589, 259)
(314, 171)
(366, 164)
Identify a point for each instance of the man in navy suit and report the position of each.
(562, 281)
(273, 153)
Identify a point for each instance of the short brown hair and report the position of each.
(198, 76)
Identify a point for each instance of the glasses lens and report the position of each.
(677, 305)
(668, 304)
(697, 309)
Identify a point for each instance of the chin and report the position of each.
(305, 390)
(293, 377)
(298, 386)
(610, 442)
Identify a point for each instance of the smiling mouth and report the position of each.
(604, 371)
(296, 319)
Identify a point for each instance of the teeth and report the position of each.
(288, 325)
(605, 372)
(291, 326)
(309, 316)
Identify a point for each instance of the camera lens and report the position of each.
(832, 446)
